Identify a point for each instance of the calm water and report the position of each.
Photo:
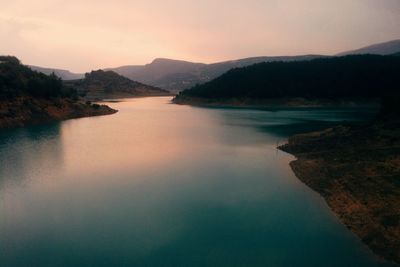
(165, 185)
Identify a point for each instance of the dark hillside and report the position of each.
(108, 84)
(29, 97)
(366, 76)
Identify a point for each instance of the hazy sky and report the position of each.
(90, 34)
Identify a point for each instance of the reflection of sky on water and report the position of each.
(163, 185)
(30, 152)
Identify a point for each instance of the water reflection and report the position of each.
(278, 125)
(30, 152)
(165, 185)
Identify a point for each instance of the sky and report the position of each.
(91, 34)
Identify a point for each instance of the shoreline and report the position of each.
(121, 99)
(26, 111)
(119, 96)
(276, 103)
(355, 169)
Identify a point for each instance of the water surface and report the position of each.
(159, 184)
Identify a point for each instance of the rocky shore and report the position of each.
(297, 102)
(357, 171)
(26, 110)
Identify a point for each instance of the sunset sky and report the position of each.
(91, 34)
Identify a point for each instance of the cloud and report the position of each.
(82, 35)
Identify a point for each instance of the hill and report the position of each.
(29, 97)
(359, 77)
(108, 84)
(176, 75)
(63, 74)
(385, 48)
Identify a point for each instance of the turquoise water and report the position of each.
(159, 184)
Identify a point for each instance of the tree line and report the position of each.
(357, 76)
(17, 79)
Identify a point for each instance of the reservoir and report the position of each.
(159, 184)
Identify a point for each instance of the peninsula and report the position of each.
(28, 97)
(357, 171)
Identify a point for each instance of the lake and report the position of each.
(159, 184)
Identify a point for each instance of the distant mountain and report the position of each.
(63, 74)
(108, 84)
(164, 73)
(357, 76)
(176, 75)
(386, 48)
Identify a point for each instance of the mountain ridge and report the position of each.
(384, 48)
(355, 76)
(62, 73)
(176, 75)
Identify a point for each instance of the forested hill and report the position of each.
(17, 79)
(101, 84)
(361, 76)
(29, 97)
